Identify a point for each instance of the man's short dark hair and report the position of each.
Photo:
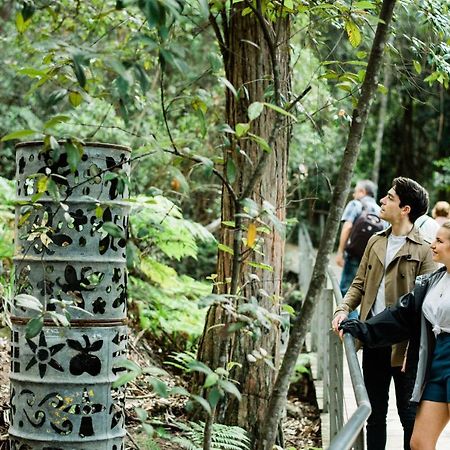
(411, 193)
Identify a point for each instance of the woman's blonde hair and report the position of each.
(446, 225)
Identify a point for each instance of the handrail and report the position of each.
(349, 433)
(345, 438)
(335, 285)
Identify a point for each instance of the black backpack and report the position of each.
(367, 224)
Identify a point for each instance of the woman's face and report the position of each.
(441, 247)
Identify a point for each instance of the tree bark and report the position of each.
(381, 123)
(249, 69)
(301, 323)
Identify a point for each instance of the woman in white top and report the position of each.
(423, 317)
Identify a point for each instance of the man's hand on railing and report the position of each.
(340, 259)
(337, 322)
(355, 327)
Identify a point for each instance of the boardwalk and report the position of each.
(394, 428)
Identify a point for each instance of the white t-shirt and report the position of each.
(394, 244)
(427, 227)
(436, 306)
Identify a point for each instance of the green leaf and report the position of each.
(148, 429)
(42, 184)
(417, 67)
(32, 72)
(289, 309)
(211, 380)
(214, 396)
(55, 121)
(74, 154)
(382, 89)
(79, 72)
(75, 99)
(430, 79)
(21, 25)
(242, 129)
(364, 5)
(225, 249)
(124, 379)
(280, 110)
(34, 326)
(159, 387)
(231, 388)
(128, 364)
(204, 404)
(141, 414)
(229, 223)
(18, 134)
(52, 189)
(99, 211)
(261, 142)
(229, 86)
(231, 170)
(198, 366)
(361, 54)
(353, 32)
(113, 230)
(28, 302)
(260, 266)
(255, 110)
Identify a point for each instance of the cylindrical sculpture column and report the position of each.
(71, 225)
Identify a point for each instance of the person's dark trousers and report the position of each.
(378, 373)
(349, 270)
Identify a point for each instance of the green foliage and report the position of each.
(442, 178)
(302, 368)
(224, 437)
(158, 223)
(6, 219)
(170, 311)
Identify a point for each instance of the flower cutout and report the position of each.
(99, 306)
(43, 355)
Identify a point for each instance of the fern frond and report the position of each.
(224, 437)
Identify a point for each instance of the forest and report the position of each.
(236, 121)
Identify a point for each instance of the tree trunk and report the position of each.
(250, 70)
(381, 123)
(300, 326)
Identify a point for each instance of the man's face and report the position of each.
(390, 207)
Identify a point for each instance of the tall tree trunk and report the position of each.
(381, 123)
(249, 69)
(300, 326)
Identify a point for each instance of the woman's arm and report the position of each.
(393, 325)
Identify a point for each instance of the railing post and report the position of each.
(336, 390)
(327, 309)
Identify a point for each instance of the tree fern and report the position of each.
(224, 437)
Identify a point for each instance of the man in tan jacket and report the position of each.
(392, 260)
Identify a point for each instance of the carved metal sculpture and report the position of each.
(68, 258)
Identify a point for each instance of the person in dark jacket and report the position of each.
(423, 317)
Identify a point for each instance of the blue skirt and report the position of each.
(437, 388)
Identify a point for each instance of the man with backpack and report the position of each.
(392, 260)
(360, 220)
